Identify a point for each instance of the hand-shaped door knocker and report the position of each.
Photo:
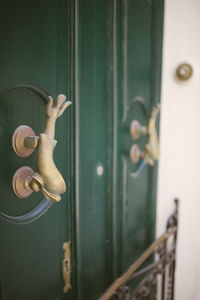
(151, 149)
(47, 179)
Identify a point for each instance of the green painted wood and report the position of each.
(92, 204)
(116, 46)
(104, 55)
(34, 49)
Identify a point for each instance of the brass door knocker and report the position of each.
(47, 179)
(151, 149)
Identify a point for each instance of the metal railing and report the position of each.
(157, 278)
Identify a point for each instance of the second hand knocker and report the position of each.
(151, 149)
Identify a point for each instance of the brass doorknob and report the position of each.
(151, 149)
(47, 179)
(184, 71)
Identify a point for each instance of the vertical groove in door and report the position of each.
(76, 91)
(110, 134)
(114, 90)
(0, 292)
(124, 45)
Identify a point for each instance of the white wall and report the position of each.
(179, 167)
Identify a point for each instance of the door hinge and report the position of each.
(67, 266)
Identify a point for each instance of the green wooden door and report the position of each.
(105, 56)
(34, 63)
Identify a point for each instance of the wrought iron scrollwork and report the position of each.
(123, 293)
(159, 276)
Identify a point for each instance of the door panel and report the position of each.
(105, 56)
(33, 50)
(92, 240)
(117, 80)
(137, 100)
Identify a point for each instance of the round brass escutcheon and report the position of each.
(136, 129)
(18, 140)
(135, 153)
(18, 182)
(184, 72)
